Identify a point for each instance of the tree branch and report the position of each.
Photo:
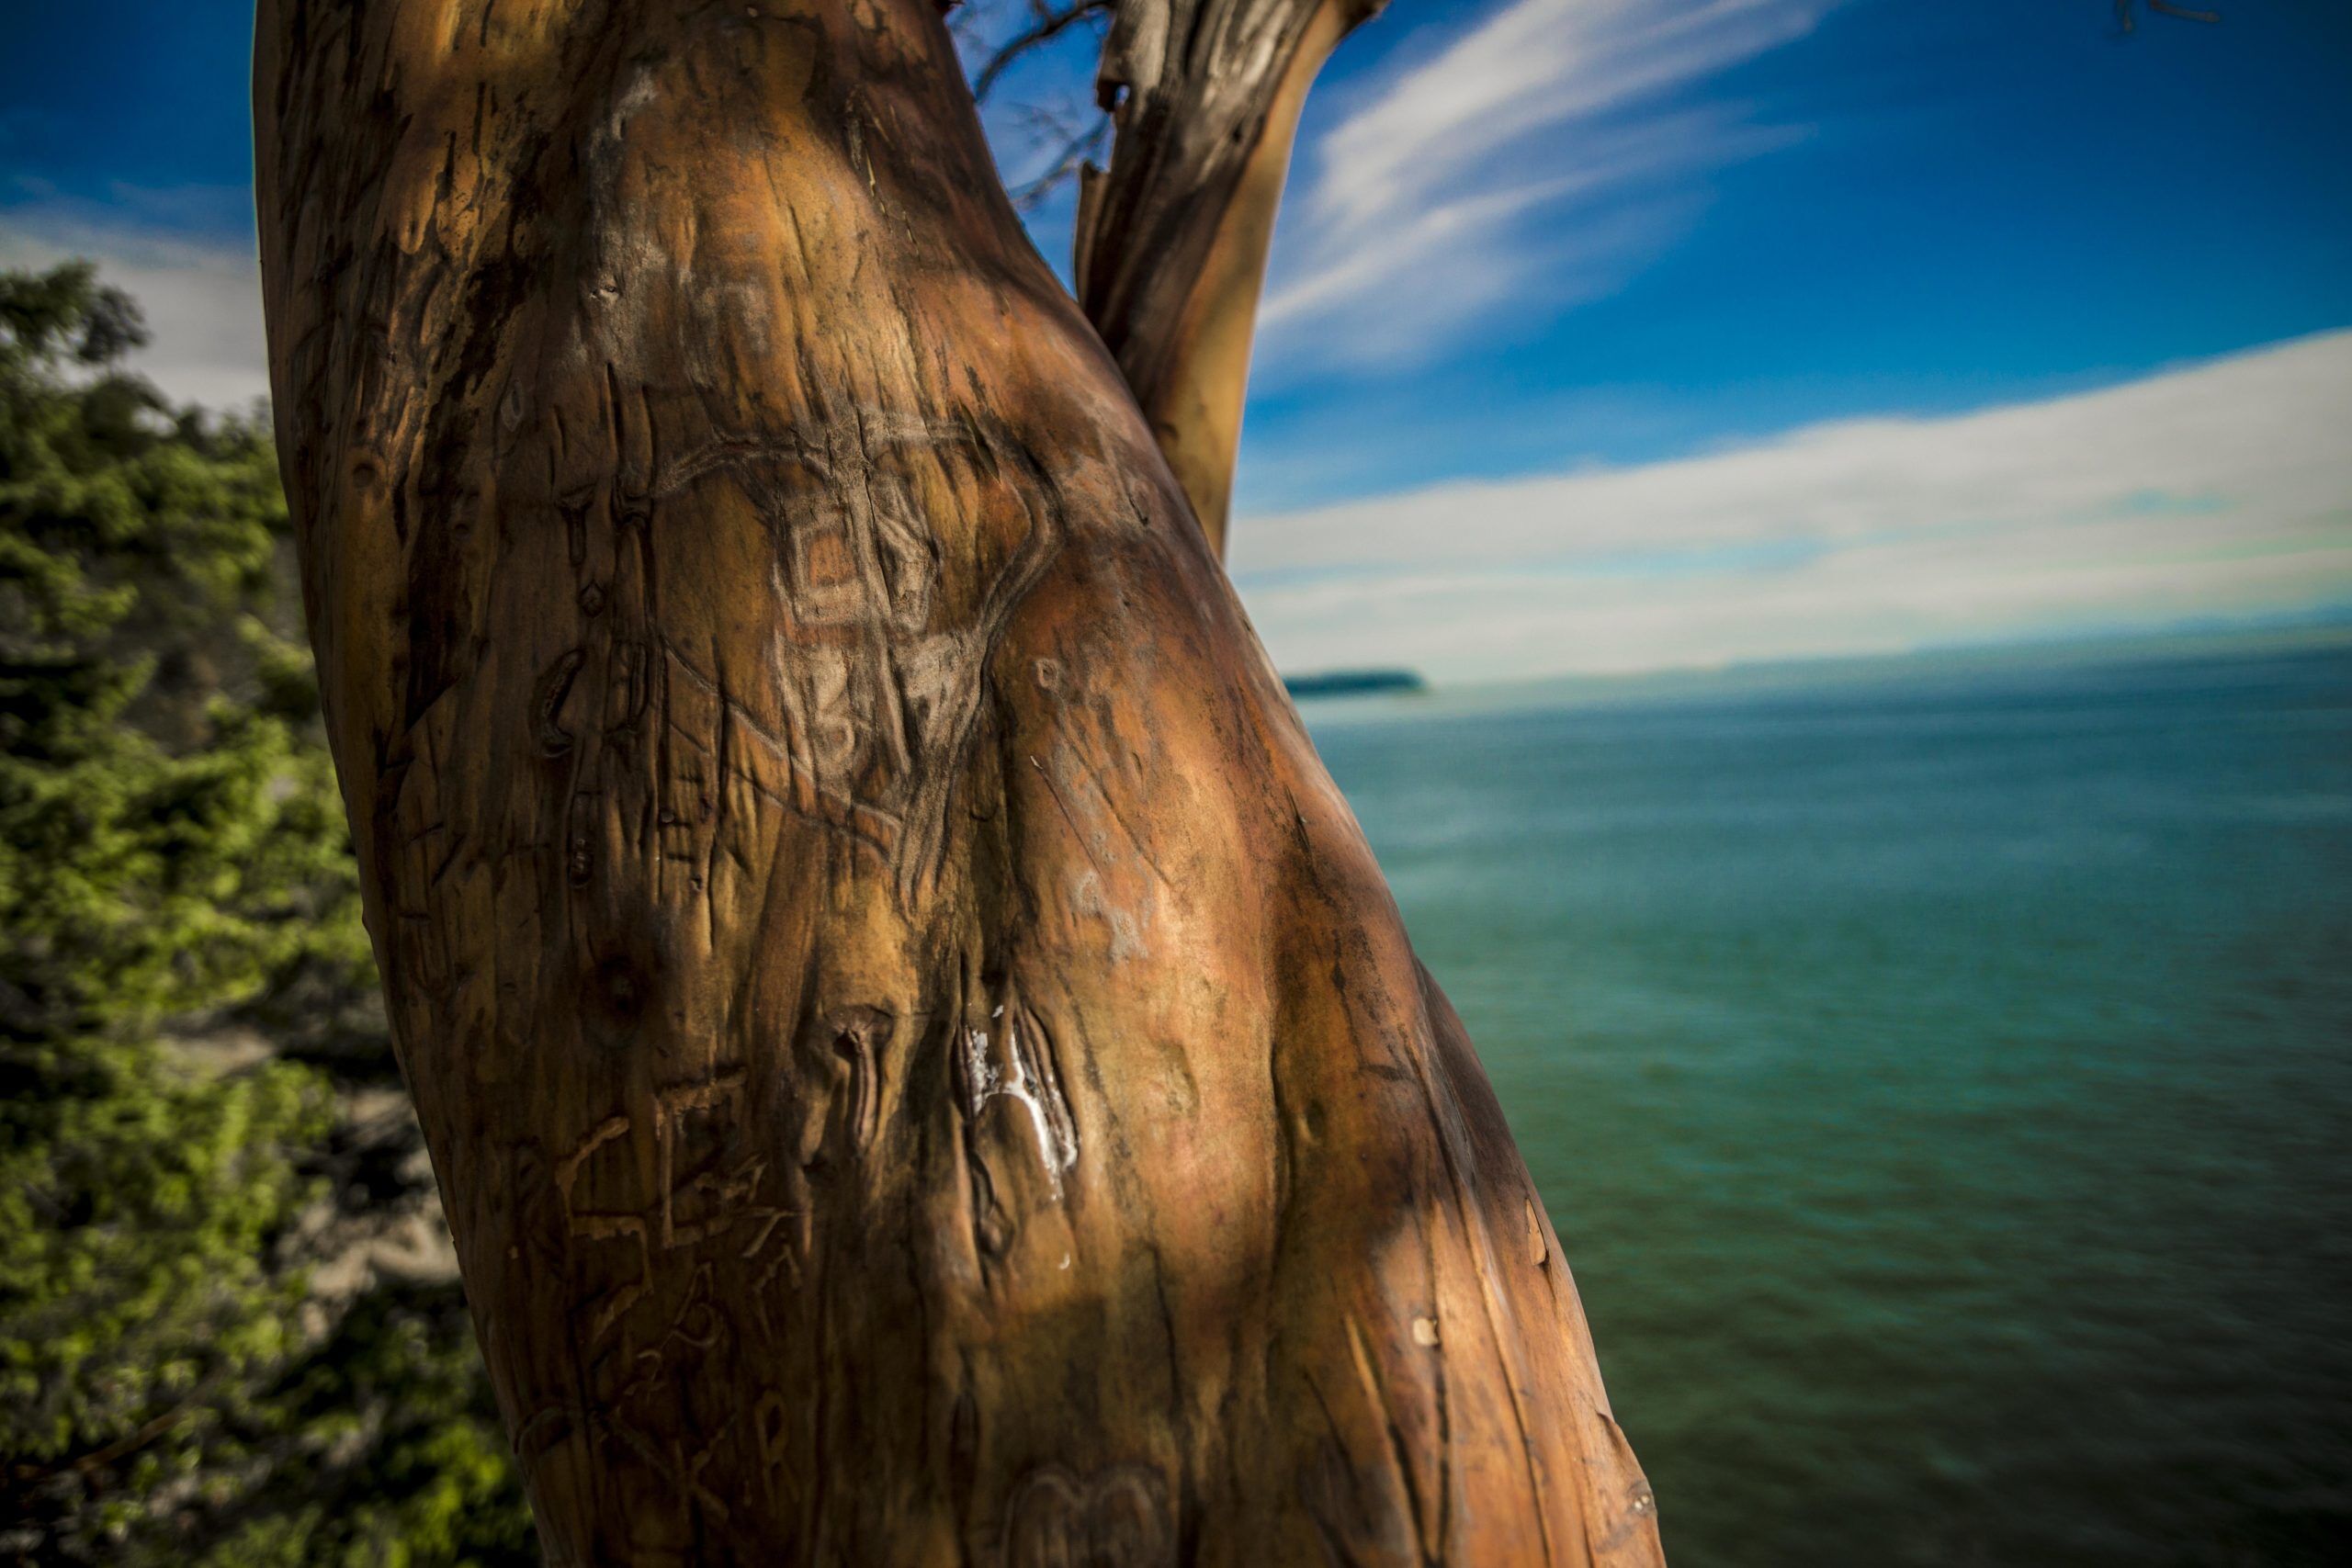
(1076, 148)
(2123, 18)
(1172, 236)
(1049, 26)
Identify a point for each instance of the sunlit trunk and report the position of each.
(920, 1062)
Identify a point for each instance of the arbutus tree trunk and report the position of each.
(920, 1064)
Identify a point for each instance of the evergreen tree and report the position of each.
(176, 884)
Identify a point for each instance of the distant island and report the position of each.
(1354, 683)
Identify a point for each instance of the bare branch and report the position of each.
(1076, 147)
(2124, 21)
(1046, 25)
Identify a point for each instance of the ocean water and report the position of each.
(1941, 1080)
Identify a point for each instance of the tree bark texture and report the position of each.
(1173, 236)
(921, 1064)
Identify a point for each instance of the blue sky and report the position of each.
(1924, 208)
(1553, 268)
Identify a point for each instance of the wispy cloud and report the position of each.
(2219, 491)
(201, 293)
(1449, 192)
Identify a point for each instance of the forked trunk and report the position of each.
(920, 1064)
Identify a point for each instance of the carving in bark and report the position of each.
(921, 1064)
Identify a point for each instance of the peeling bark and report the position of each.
(920, 1062)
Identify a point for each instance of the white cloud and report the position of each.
(201, 298)
(2219, 491)
(1430, 205)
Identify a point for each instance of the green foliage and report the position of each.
(173, 861)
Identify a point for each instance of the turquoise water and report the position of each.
(1941, 1082)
